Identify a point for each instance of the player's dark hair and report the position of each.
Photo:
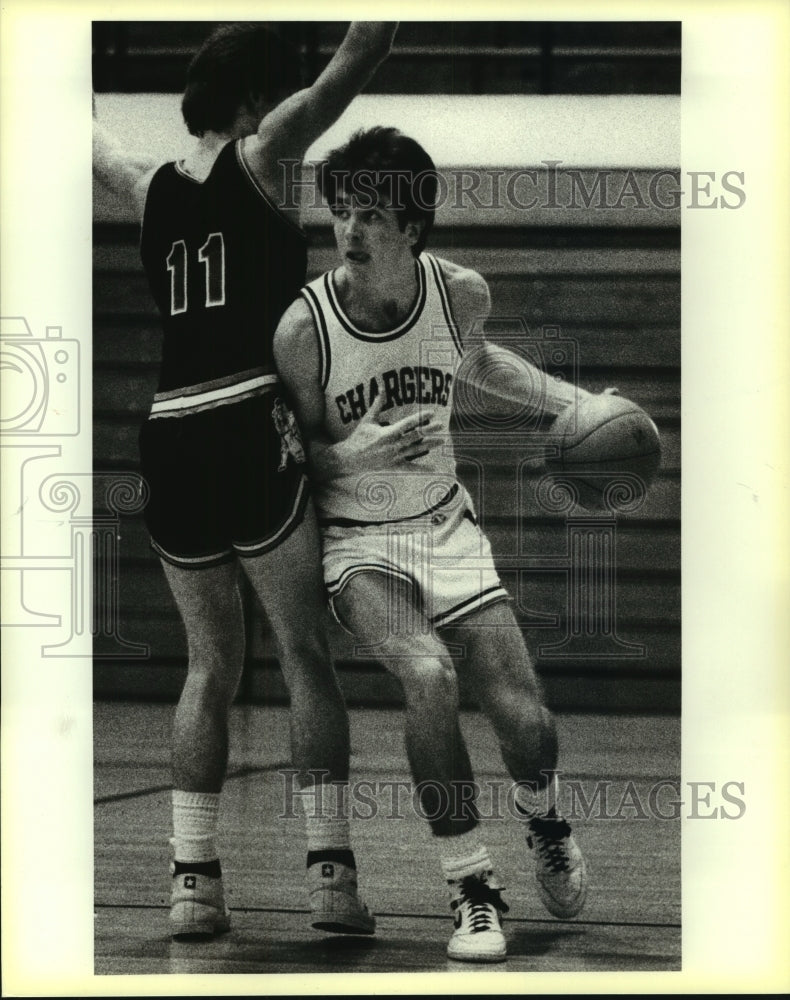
(236, 63)
(382, 161)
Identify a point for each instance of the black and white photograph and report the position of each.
(385, 533)
(466, 386)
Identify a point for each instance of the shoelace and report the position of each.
(551, 835)
(480, 896)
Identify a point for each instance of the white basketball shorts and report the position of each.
(444, 556)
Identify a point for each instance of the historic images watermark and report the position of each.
(550, 186)
(495, 799)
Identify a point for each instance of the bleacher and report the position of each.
(430, 57)
(607, 278)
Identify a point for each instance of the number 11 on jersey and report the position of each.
(212, 256)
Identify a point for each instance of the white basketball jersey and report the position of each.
(414, 366)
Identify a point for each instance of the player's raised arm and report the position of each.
(125, 174)
(371, 445)
(288, 131)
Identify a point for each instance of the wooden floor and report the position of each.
(631, 921)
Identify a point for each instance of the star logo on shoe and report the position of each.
(190, 881)
(327, 870)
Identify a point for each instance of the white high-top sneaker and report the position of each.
(335, 902)
(559, 866)
(478, 908)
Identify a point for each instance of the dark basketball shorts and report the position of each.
(223, 482)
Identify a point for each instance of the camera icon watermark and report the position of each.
(60, 565)
(41, 381)
(508, 382)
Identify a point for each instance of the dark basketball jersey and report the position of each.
(223, 264)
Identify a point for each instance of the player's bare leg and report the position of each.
(381, 613)
(501, 673)
(289, 584)
(290, 587)
(210, 607)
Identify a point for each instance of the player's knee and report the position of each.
(305, 652)
(215, 650)
(304, 644)
(430, 680)
(513, 684)
(212, 684)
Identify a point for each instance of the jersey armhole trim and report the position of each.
(180, 170)
(154, 179)
(444, 298)
(241, 159)
(322, 335)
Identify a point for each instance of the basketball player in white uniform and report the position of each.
(370, 353)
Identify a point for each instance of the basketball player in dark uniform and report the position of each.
(224, 254)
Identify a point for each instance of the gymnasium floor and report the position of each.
(631, 921)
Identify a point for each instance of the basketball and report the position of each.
(601, 444)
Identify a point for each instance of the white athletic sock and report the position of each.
(326, 818)
(463, 855)
(531, 804)
(195, 816)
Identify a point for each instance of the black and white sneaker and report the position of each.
(559, 866)
(197, 907)
(478, 909)
(334, 900)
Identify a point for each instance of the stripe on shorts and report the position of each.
(193, 562)
(481, 600)
(207, 395)
(292, 521)
(335, 586)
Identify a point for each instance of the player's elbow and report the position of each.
(363, 50)
(278, 349)
(283, 350)
(480, 295)
(373, 37)
(324, 462)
